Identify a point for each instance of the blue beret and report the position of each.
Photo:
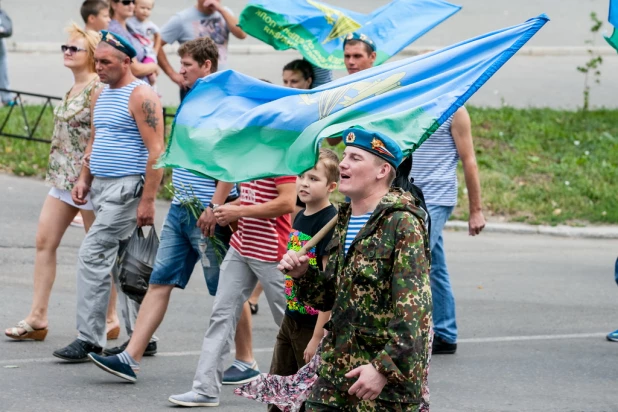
(118, 42)
(360, 37)
(375, 143)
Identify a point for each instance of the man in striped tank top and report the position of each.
(184, 241)
(376, 283)
(434, 170)
(127, 139)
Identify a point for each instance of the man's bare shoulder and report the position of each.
(143, 92)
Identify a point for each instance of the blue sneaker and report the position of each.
(613, 336)
(234, 376)
(193, 399)
(114, 366)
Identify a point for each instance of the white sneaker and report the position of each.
(193, 399)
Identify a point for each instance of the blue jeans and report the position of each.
(179, 251)
(445, 325)
(4, 73)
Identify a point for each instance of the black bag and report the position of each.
(136, 262)
(405, 182)
(6, 25)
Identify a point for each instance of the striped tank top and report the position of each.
(354, 226)
(434, 167)
(189, 184)
(118, 148)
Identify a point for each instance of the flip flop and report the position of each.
(31, 333)
(113, 333)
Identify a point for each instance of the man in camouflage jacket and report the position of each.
(377, 352)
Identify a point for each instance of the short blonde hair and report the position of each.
(330, 160)
(92, 39)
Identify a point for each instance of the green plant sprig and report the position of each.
(185, 195)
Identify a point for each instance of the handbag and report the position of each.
(136, 262)
(6, 25)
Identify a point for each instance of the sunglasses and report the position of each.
(71, 49)
(125, 2)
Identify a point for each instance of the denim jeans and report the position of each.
(4, 73)
(445, 325)
(181, 247)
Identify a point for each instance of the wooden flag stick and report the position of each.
(316, 239)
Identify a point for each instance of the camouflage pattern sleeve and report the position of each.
(406, 352)
(317, 289)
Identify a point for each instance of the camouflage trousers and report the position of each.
(325, 397)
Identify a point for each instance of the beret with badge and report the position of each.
(375, 143)
(118, 42)
(360, 37)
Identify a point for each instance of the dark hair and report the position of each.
(201, 50)
(92, 8)
(304, 67)
(354, 42)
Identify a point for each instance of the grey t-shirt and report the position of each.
(191, 24)
(144, 31)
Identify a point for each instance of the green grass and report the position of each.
(544, 166)
(538, 166)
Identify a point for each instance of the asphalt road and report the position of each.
(532, 310)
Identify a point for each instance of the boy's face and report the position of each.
(312, 186)
(100, 21)
(143, 8)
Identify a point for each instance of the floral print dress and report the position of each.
(289, 393)
(70, 138)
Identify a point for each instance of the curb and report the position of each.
(595, 232)
(264, 49)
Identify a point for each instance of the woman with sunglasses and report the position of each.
(120, 11)
(70, 137)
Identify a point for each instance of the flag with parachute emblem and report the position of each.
(317, 29)
(233, 128)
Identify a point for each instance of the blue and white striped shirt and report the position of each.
(118, 149)
(434, 167)
(187, 183)
(321, 76)
(354, 226)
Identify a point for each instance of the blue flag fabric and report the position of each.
(236, 128)
(613, 19)
(317, 29)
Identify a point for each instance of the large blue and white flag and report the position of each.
(235, 128)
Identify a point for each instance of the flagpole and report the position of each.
(316, 239)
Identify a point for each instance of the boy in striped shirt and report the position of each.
(263, 215)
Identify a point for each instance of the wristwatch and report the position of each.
(213, 206)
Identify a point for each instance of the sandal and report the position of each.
(113, 333)
(254, 308)
(31, 333)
